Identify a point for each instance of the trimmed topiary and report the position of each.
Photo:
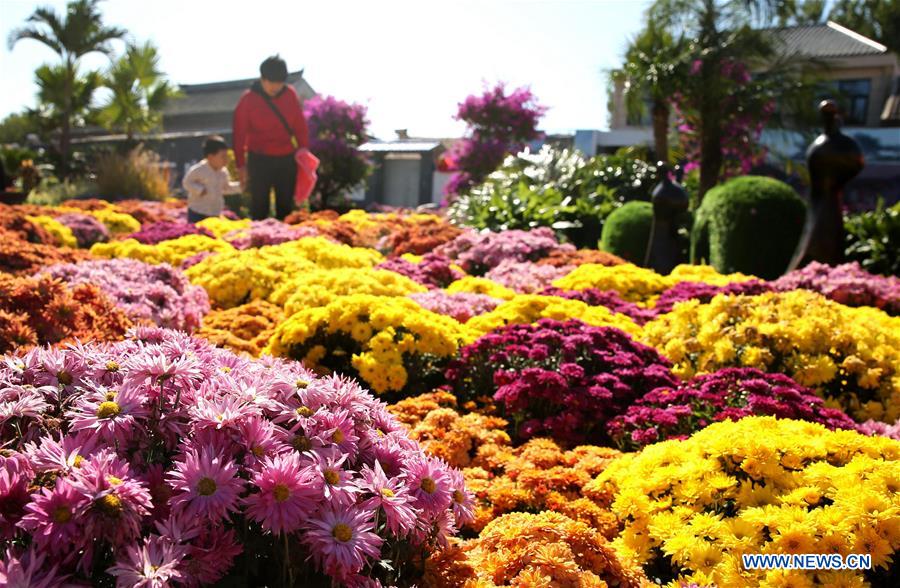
(750, 224)
(627, 231)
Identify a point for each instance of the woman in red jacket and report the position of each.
(269, 127)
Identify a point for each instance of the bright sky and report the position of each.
(410, 62)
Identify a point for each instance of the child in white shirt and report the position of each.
(207, 182)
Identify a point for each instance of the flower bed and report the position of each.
(562, 379)
(156, 294)
(173, 461)
(759, 485)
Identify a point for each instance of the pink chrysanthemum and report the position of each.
(28, 571)
(259, 438)
(54, 518)
(210, 556)
(219, 413)
(118, 501)
(59, 369)
(286, 494)
(333, 483)
(341, 540)
(15, 475)
(21, 402)
(429, 484)
(334, 429)
(152, 564)
(391, 496)
(63, 455)
(114, 415)
(205, 485)
(463, 502)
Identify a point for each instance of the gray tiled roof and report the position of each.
(222, 96)
(826, 40)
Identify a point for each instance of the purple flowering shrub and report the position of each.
(269, 231)
(498, 123)
(158, 232)
(608, 298)
(158, 294)
(477, 253)
(732, 393)
(705, 292)
(561, 379)
(848, 284)
(460, 305)
(162, 460)
(87, 229)
(433, 271)
(526, 277)
(336, 130)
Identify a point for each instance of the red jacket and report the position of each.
(257, 129)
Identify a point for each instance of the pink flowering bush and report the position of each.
(161, 460)
(87, 229)
(561, 379)
(478, 253)
(157, 294)
(158, 232)
(526, 277)
(731, 393)
(434, 271)
(268, 232)
(459, 305)
(848, 284)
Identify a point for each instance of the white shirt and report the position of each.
(206, 188)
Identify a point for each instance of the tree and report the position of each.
(17, 126)
(655, 65)
(723, 34)
(139, 91)
(877, 19)
(336, 130)
(77, 33)
(61, 98)
(499, 124)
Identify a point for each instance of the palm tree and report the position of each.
(722, 32)
(73, 35)
(60, 98)
(139, 91)
(655, 64)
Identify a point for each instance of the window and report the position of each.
(853, 96)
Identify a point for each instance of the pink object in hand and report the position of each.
(307, 163)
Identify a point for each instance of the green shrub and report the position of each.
(136, 174)
(873, 239)
(750, 224)
(555, 188)
(627, 231)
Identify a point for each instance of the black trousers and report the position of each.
(269, 172)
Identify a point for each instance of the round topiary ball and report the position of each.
(627, 230)
(750, 224)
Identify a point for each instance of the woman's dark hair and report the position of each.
(274, 69)
(214, 144)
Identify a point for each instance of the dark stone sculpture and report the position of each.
(833, 159)
(670, 201)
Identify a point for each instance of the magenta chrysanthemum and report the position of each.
(286, 494)
(340, 540)
(429, 484)
(152, 564)
(54, 517)
(205, 484)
